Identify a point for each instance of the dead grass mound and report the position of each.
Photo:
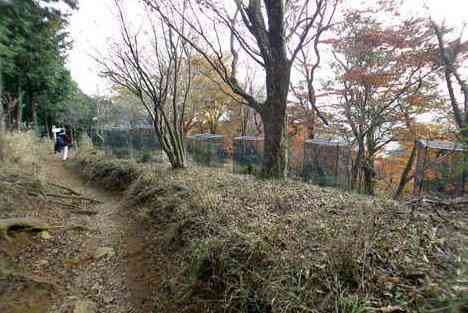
(230, 243)
(111, 174)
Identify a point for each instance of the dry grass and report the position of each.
(24, 152)
(231, 243)
(112, 174)
(25, 187)
(21, 171)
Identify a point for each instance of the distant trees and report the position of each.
(269, 33)
(159, 73)
(77, 112)
(385, 77)
(33, 45)
(190, 71)
(211, 100)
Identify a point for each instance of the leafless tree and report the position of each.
(271, 33)
(451, 56)
(308, 62)
(160, 77)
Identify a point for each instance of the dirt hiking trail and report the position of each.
(95, 267)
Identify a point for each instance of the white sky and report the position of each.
(94, 25)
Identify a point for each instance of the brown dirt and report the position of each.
(55, 274)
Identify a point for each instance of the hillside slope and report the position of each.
(218, 242)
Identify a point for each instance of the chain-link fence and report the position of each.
(441, 168)
(327, 162)
(248, 154)
(207, 149)
(138, 143)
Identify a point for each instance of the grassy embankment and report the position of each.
(228, 243)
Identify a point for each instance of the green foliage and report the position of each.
(33, 45)
(77, 111)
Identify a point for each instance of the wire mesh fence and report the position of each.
(248, 154)
(327, 162)
(138, 143)
(207, 149)
(441, 168)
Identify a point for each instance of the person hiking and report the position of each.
(67, 142)
(59, 142)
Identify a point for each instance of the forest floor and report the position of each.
(89, 260)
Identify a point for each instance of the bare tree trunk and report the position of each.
(311, 125)
(270, 29)
(244, 119)
(274, 160)
(274, 118)
(369, 165)
(34, 114)
(369, 176)
(3, 114)
(18, 111)
(405, 177)
(47, 126)
(357, 166)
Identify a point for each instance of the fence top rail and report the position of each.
(123, 128)
(248, 138)
(327, 141)
(441, 145)
(204, 136)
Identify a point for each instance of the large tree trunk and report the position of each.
(369, 165)
(275, 144)
(311, 121)
(369, 177)
(357, 166)
(274, 116)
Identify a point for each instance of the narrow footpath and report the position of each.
(105, 270)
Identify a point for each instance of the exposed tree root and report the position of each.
(22, 224)
(85, 212)
(73, 197)
(73, 227)
(68, 190)
(66, 205)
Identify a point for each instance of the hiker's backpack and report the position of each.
(60, 141)
(67, 139)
